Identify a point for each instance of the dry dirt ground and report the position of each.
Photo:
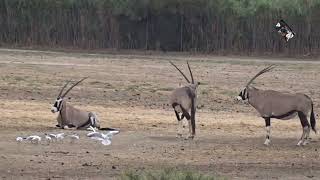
(131, 92)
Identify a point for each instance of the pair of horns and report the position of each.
(182, 72)
(64, 94)
(259, 73)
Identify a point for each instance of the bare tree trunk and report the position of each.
(181, 32)
(147, 33)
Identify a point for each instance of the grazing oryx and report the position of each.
(183, 100)
(274, 104)
(70, 116)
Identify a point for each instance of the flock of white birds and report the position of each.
(104, 138)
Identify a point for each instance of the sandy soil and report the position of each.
(131, 92)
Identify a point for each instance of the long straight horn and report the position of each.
(180, 71)
(190, 73)
(63, 88)
(261, 72)
(73, 86)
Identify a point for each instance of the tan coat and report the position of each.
(70, 115)
(273, 103)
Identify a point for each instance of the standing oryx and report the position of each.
(183, 100)
(274, 104)
(70, 116)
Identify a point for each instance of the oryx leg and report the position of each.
(188, 117)
(305, 129)
(69, 126)
(94, 121)
(268, 129)
(193, 120)
(179, 128)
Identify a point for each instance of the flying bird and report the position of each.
(284, 30)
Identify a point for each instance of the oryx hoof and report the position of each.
(267, 142)
(305, 143)
(189, 137)
(300, 143)
(66, 127)
(179, 135)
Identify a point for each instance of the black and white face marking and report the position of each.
(57, 105)
(243, 95)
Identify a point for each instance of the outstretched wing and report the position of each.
(286, 26)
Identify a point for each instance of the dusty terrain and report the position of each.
(131, 92)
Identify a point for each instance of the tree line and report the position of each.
(211, 26)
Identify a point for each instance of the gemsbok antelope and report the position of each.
(184, 100)
(70, 116)
(279, 105)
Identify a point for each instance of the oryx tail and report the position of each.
(313, 119)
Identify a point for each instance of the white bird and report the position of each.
(34, 138)
(114, 132)
(74, 136)
(48, 137)
(104, 138)
(56, 137)
(19, 139)
(94, 134)
(105, 141)
(53, 136)
(60, 136)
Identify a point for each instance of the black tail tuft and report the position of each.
(108, 129)
(313, 119)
